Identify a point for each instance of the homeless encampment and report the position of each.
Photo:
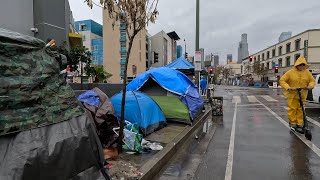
(172, 90)
(140, 109)
(101, 109)
(44, 133)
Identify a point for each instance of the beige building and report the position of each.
(115, 42)
(235, 69)
(285, 53)
(165, 45)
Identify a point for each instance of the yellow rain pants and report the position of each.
(295, 114)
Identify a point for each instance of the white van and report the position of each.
(316, 89)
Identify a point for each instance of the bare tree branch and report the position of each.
(135, 15)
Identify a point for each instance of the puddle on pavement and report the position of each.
(187, 158)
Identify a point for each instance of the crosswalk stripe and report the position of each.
(236, 99)
(283, 96)
(268, 98)
(252, 99)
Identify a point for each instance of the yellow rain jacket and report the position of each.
(295, 79)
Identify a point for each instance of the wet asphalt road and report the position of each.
(252, 141)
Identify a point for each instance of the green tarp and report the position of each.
(173, 108)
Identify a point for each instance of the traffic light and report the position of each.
(211, 70)
(186, 55)
(156, 57)
(276, 69)
(250, 58)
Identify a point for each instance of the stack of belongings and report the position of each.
(99, 106)
(44, 132)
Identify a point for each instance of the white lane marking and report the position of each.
(252, 99)
(268, 98)
(283, 96)
(248, 105)
(228, 174)
(236, 99)
(313, 121)
(308, 118)
(313, 147)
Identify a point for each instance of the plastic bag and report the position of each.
(132, 139)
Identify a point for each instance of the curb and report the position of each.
(153, 166)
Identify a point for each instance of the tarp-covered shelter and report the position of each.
(175, 93)
(44, 133)
(183, 65)
(180, 63)
(98, 104)
(140, 109)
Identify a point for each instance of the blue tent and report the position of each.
(141, 109)
(175, 82)
(180, 63)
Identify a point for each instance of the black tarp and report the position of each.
(65, 150)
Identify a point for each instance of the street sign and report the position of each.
(275, 84)
(197, 61)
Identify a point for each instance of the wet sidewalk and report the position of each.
(147, 165)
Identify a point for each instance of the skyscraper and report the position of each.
(216, 60)
(229, 58)
(179, 51)
(243, 48)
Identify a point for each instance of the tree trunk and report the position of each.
(81, 75)
(124, 95)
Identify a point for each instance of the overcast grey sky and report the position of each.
(223, 21)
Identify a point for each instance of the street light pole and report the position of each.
(197, 24)
(185, 48)
(197, 73)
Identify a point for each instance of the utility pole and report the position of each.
(197, 73)
(185, 48)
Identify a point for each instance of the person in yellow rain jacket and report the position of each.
(298, 77)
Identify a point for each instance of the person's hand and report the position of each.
(292, 89)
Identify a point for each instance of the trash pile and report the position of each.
(216, 104)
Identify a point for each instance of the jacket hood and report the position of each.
(301, 60)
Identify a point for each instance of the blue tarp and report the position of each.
(140, 109)
(257, 84)
(90, 97)
(175, 82)
(180, 63)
